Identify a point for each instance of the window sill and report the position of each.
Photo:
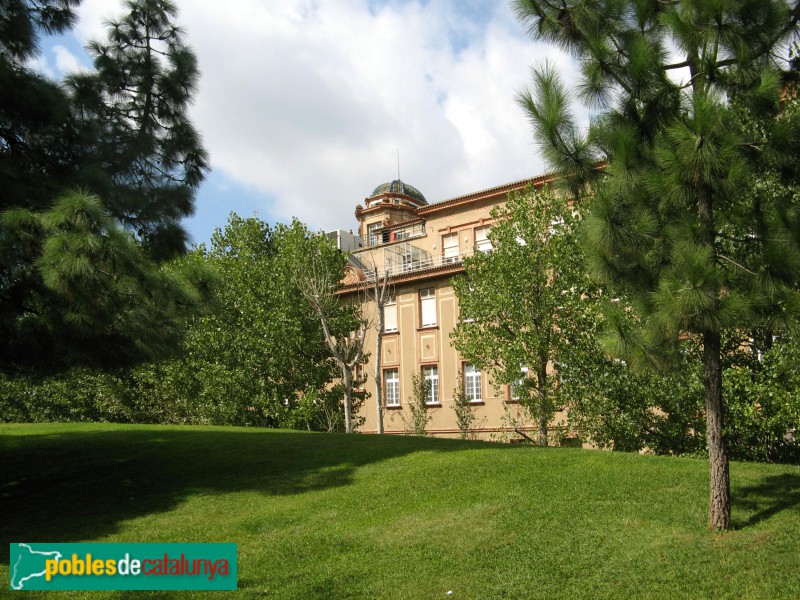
(395, 332)
(393, 407)
(428, 328)
(433, 405)
(476, 403)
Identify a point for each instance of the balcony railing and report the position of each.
(413, 265)
(388, 235)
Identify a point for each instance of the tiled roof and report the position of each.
(488, 193)
(398, 187)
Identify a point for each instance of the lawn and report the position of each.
(335, 516)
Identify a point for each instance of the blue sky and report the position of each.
(303, 105)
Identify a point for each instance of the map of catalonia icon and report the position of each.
(29, 564)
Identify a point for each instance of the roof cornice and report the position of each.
(500, 190)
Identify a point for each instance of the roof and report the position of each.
(399, 187)
(487, 193)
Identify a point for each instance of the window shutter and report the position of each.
(428, 307)
(390, 316)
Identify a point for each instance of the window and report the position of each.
(482, 242)
(372, 233)
(472, 383)
(515, 390)
(450, 247)
(390, 315)
(427, 304)
(430, 374)
(391, 387)
(358, 377)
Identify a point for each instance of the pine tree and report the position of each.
(146, 160)
(91, 296)
(115, 145)
(695, 216)
(37, 150)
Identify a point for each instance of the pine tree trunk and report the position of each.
(719, 506)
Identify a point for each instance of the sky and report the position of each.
(304, 105)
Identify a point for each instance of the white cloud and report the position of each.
(309, 101)
(66, 61)
(39, 63)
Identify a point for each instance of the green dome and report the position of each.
(398, 187)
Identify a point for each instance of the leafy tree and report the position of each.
(417, 421)
(255, 355)
(763, 407)
(678, 223)
(258, 351)
(465, 417)
(616, 406)
(318, 274)
(535, 321)
(521, 303)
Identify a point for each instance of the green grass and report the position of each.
(334, 516)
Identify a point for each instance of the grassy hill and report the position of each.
(337, 516)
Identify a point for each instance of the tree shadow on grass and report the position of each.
(766, 499)
(78, 484)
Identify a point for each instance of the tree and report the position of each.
(763, 407)
(38, 149)
(625, 409)
(344, 325)
(118, 143)
(377, 289)
(465, 417)
(521, 302)
(89, 295)
(677, 221)
(145, 158)
(418, 419)
(253, 356)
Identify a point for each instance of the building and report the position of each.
(422, 247)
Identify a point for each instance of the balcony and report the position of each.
(404, 259)
(387, 235)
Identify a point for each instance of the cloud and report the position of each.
(66, 61)
(63, 62)
(309, 102)
(40, 64)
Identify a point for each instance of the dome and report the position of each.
(398, 187)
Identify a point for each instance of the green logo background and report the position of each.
(27, 566)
